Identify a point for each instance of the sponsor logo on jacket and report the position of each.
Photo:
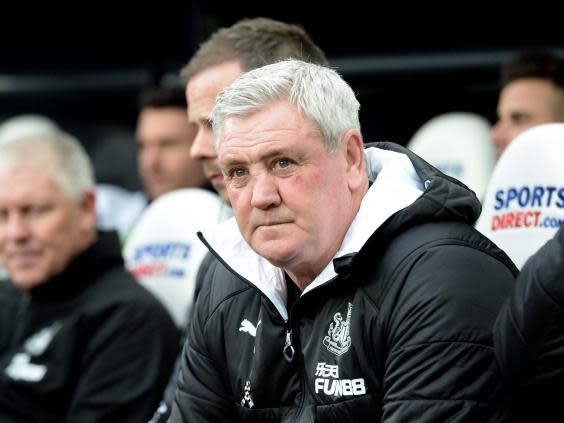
(247, 326)
(328, 382)
(21, 367)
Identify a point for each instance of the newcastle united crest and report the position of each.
(338, 338)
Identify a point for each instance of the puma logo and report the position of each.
(248, 327)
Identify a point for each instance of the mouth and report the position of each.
(23, 259)
(269, 224)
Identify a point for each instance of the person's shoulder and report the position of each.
(541, 276)
(444, 257)
(8, 290)
(116, 301)
(456, 238)
(217, 284)
(117, 288)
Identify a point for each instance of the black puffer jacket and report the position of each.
(401, 331)
(529, 336)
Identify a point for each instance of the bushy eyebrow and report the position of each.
(203, 120)
(267, 156)
(231, 163)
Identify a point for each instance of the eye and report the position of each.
(169, 142)
(520, 118)
(238, 172)
(40, 209)
(283, 163)
(236, 176)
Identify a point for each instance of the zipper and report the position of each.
(288, 351)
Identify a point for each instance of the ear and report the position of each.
(88, 210)
(353, 146)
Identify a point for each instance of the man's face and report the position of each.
(201, 91)
(290, 196)
(41, 229)
(164, 162)
(522, 104)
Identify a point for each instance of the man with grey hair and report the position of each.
(227, 54)
(351, 285)
(80, 339)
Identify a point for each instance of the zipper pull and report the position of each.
(288, 351)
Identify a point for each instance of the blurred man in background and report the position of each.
(80, 339)
(164, 163)
(165, 138)
(532, 93)
(248, 44)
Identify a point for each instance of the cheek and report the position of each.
(147, 159)
(240, 200)
(59, 229)
(325, 203)
(2, 243)
(187, 163)
(317, 190)
(175, 163)
(54, 233)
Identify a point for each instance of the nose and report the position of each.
(203, 146)
(265, 193)
(149, 158)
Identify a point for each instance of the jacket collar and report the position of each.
(81, 270)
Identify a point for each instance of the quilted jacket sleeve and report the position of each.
(529, 334)
(440, 359)
(202, 394)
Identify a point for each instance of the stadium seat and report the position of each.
(524, 202)
(163, 251)
(458, 144)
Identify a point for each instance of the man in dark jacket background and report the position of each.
(80, 339)
(529, 336)
(352, 285)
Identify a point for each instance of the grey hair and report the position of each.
(317, 91)
(61, 154)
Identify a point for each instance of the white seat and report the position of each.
(458, 144)
(524, 203)
(163, 251)
(118, 209)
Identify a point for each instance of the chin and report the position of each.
(276, 256)
(27, 282)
